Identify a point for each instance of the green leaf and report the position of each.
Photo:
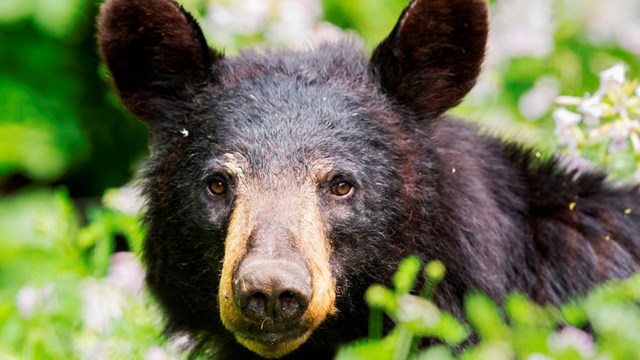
(437, 352)
(367, 349)
(485, 317)
(379, 297)
(405, 277)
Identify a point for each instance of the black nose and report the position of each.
(272, 289)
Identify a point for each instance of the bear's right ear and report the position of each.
(434, 54)
(157, 56)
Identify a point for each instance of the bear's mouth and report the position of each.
(272, 338)
(273, 344)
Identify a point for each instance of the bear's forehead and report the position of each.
(289, 110)
(277, 133)
(278, 123)
(285, 112)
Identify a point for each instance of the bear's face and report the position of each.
(271, 174)
(289, 185)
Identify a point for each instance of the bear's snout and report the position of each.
(272, 292)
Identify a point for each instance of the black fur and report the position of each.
(500, 218)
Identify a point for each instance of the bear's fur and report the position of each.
(330, 167)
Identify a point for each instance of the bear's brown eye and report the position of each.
(217, 187)
(341, 188)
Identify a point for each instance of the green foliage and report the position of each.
(65, 294)
(58, 121)
(371, 19)
(416, 317)
(518, 329)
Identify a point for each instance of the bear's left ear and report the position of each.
(157, 56)
(434, 54)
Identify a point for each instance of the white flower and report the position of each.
(102, 305)
(414, 308)
(290, 22)
(571, 337)
(618, 140)
(567, 137)
(612, 77)
(180, 342)
(609, 21)
(536, 102)
(29, 299)
(521, 28)
(628, 36)
(567, 130)
(568, 100)
(126, 273)
(126, 199)
(637, 91)
(295, 22)
(593, 110)
(565, 118)
(156, 353)
(621, 132)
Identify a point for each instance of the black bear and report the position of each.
(281, 184)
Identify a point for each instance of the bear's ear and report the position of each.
(157, 56)
(434, 54)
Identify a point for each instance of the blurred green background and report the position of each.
(65, 140)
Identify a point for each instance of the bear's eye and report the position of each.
(217, 186)
(341, 188)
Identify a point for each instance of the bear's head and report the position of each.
(278, 180)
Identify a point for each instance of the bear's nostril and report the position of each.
(255, 305)
(271, 303)
(291, 305)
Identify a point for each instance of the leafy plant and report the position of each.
(67, 293)
(519, 329)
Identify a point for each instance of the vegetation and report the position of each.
(520, 329)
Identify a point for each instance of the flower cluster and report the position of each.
(604, 124)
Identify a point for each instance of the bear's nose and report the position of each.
(272, 289)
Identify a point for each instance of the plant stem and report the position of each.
(375, 323)
(403, 345)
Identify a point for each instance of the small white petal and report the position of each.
(184, 132)
(614, 74)
(567, 138)
(618, 135)
(126, 199)
(536, 102)
(635, 142)
(126, 273)
(102, 304)
(568, 100)
(30, 299)
(27, 300)
(156, 353)
(593, 110)
(565, 118)
(571, 337)
(181, 342)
